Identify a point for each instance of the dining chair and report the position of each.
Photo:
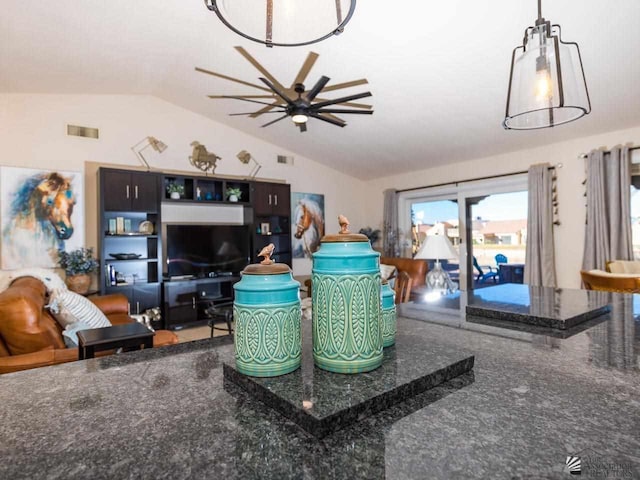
(402, 287)
(610, 282)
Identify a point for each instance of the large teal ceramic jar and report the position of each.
(388, 315)
(347, 330)
(266, 310)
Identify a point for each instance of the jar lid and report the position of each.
(344, 235)
(273, 269)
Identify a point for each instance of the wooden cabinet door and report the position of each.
(281, 199)
(262, 198)
(180, 303)
(116, 191)
(144, 192)
(145, 297)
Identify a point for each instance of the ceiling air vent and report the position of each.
(287, 160)
(79, 131)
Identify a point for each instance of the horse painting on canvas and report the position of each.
(37, 218)
(308, 223)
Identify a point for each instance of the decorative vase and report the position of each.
(388, 315)
(233, 198)
(347, 329)
(78, 283)
(175, 195)
(266, 311)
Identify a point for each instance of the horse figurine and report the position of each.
(309, 226)
(39, 221)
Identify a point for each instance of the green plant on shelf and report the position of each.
(79, 261)
(175, 188)
(233, 194)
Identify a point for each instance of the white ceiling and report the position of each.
(438, 71)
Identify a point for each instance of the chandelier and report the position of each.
(546, 84)
(284, 23)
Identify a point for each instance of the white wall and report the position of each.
(33, 134)
(569, 236)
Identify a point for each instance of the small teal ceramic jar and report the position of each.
(266, 310)
(347, 329)
(388, 315)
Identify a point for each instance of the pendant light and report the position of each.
(284, 23)
(546, 85)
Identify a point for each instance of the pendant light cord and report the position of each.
(539, 9)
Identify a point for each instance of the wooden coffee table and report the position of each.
(127, 336)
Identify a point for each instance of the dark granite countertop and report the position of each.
(532, 400)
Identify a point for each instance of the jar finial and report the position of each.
(266, 252)
(344, 224)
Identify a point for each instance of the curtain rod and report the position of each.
(552, 167)
(585, 155)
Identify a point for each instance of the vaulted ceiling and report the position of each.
(438, 71)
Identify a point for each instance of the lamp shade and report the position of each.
(547, 86)
(286, 23)
(437, 247)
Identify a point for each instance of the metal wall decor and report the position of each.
(203, 159)
(547, 86)
(284, 23)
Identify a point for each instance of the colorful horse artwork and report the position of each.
(38, 220)
(309, 225)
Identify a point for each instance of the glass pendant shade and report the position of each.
(285, 23)
(547, 86)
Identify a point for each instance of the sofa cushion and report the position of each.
(69, 307)
(624, 266)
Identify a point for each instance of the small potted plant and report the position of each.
(175, 190)
(371, 234)
(233, 194)
(78, 265)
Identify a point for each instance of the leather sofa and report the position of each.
(417, 269)
(30, 337)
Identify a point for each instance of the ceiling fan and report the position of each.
(297, 102)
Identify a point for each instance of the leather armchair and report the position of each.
(30, 337)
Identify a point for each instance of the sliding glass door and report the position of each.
(485, 221)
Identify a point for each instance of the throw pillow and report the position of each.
(68, 308)
(70, 334)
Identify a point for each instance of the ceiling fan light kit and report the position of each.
(547, 86)
(284, 23)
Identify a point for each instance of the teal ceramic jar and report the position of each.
(347, 329)
(388, 315)
(266, 310)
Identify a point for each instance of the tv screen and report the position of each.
(200, 250)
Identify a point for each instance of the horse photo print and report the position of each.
(307, 218)
(41, 212)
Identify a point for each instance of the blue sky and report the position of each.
(503, 206)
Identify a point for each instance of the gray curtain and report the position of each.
(390, 241)
(608, 229)
(540, 266)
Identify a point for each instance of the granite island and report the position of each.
(532, 400)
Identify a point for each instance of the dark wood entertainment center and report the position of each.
(131, 243)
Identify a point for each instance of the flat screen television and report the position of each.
(202, 250)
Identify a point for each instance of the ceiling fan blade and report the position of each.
(353, 83)
(266, 109)
(348, 104)
(326, 119)
(244, 99)
(311, 94)
(251, 113)
(341, 99)
(259, 67)
(225, 77)
(306, 68)
(243, 96)
(337, 119)
(274, 121)
(343, 110)
(278, 91)
(303, 127)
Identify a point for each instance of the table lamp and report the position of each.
(437, 247)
